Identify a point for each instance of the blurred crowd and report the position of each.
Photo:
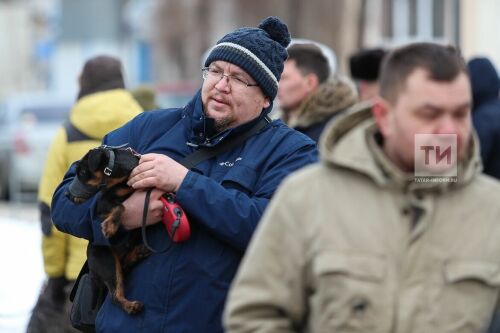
(352, 242)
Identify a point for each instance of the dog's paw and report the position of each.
(108, 229)
(134, 307)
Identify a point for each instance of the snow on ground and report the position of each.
(21, 272)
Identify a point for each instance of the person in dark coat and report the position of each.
(224, 197)
(486, 112)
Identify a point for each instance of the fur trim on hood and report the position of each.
(333, 96)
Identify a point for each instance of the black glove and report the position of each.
(45, 219)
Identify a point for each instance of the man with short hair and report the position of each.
(372, 247)
(184, 290)
(309, 96)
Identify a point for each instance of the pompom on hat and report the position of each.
(261, 52)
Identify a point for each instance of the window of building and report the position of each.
(406, 20)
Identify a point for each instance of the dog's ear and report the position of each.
(82, 167)
(97, 159)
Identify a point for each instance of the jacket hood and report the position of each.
(353, 142)
(99, 113)
(484, 80)
(331, 97)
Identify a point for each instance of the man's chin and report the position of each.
(215, 112)
(222, 124)
(221, 120)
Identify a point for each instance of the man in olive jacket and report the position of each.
(359, 242)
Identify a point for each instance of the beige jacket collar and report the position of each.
(351, 143)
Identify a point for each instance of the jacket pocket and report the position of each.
(350, 293)
(483, 272)
(361, 267)
(240, 177)
(469, 295)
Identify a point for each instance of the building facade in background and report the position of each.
(162, 42)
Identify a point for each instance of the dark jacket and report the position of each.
(486, 112)
(184, 290)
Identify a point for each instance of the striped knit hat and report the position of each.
(260, 51)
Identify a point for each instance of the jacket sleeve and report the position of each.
(230, 214)
(53, 172)
(76, 219)
(55, 167)
(268, 293)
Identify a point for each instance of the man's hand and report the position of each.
(159, 171)
(134, 206)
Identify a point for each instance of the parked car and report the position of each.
(28, 124)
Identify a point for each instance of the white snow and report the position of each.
(21, 272)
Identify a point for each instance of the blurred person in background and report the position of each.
(308, 95)
(486, 112)
(146, 97)
(102, 105)
(184, 289)
(370, 248)
(365, 67)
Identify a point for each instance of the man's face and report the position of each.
(294, 86)
(425, 106)
(229, 103)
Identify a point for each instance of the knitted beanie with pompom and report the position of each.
(261, 52)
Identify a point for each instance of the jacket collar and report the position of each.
(330, 98)
(351, 142)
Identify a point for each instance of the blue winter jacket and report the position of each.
(184, 289)
(485, 84)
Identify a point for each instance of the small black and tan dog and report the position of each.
(107, 169)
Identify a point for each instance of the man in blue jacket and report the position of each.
(184, 289)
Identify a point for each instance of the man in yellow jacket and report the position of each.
(102, 105)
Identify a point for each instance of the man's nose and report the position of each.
(223, 83)
(447, 125)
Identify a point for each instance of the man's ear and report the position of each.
(381, 111)
(312, 82)
(267, 102)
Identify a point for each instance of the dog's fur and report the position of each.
(108, 265)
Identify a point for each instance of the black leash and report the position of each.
(143, 226)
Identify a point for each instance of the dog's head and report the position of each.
(103, 166)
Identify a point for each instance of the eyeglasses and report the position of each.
(215, 75)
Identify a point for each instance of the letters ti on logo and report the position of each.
(435, 155)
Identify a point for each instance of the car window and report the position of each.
(45, 114)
